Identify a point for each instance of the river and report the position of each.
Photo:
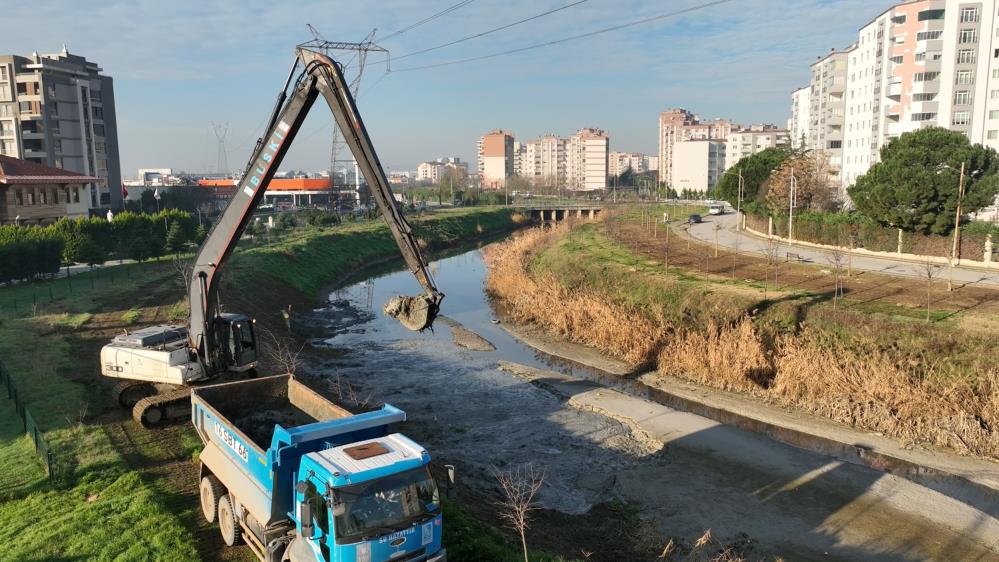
(751, 491)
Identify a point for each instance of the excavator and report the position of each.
(157, 366)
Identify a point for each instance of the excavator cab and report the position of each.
(239, 341)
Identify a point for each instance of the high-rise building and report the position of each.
(586, 160)
(749, 141)
(697, 164)
(679, 125)
(58, 110)
(827, 113)
(495, 158)
(799, 126)
(619, 162)
(917, 64)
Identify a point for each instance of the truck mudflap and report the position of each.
(253, 498)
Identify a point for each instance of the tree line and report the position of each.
(914, 187)
(30, 251)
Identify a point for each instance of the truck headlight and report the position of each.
(363, 552)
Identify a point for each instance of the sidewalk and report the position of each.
(745, 241)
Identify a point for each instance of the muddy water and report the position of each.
(467, 411)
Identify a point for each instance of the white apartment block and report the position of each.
(652, 163)
(757, 138)
(495, 158)
(799, 126)
(619, 162)
(679, 125)
(586, 159)
(917, 64)
(435, 171)
(697, 164)
(827, 108)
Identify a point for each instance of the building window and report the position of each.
(993, 135)
(924, 116)
(962, 98)
(3, 73)
(969, 15)
(994, 114)
(835, 144)
(968, 36)
(29, 198)
(896, 60)
(930, 15)
(4, 92)
(95, 95)
(995, 74)
(100, 147)
(961, 118)
(994, 94)
(99, 130)
(966, 56)
(920, 56)
(6, 110)
(925, 76)
(929, 35)
(898, 19)
(964, 77)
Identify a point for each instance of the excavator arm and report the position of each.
(320, 76)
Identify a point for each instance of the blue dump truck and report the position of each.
(299, 478)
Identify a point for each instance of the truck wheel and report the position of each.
(211, 491)
(231, 533)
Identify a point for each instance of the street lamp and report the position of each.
(955, 249)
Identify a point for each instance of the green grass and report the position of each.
(308, 259)
(468, 539)
(100, 508)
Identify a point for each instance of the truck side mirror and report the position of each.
(305, 511)
(450, 487)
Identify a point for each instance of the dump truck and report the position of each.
(299, 478)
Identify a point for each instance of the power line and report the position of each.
(570, 38)
(487, 32)
(443, 12)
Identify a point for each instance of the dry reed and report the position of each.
(864, 387)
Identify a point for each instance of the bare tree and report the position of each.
(772, 255)
(282, 351)
(836, 258)
(184, 269)
(928, 271)
(519, 485)
(717, 228)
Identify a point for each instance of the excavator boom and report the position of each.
(320, 76)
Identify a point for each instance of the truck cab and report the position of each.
(368, 501)
(301, 479)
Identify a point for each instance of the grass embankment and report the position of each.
(122, 492)
(935, 383)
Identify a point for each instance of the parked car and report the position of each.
(716, 209)
(694, 219)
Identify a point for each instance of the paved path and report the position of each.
(747, 242)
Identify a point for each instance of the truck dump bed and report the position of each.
(255, 406)
(256, 431)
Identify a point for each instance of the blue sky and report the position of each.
(180, 65)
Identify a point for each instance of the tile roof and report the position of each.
(17, 171)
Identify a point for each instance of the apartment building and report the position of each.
(619, 162)
(916, 64)
(58, 110)
(799, 125)
(827, 108)
(586, 160)
(749, 141)
(495, 155)
(698, 164)
(652, 163)
(680, 125)
(434, 172)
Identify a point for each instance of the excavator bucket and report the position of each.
(415, 313)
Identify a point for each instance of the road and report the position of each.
(745, 242)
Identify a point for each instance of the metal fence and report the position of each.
(28, 423)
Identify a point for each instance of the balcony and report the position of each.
(894, 89)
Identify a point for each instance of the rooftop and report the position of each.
(17, 171)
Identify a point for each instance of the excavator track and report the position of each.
(161, 408)
(127, 393)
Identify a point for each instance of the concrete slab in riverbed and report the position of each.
(735, 481)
